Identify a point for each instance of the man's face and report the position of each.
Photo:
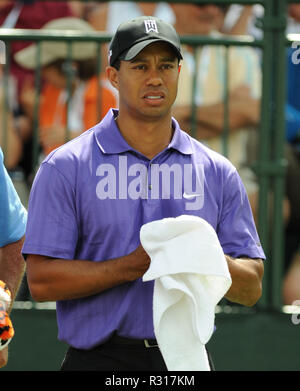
(147, 84)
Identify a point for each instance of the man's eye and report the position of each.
(167, 66)
(140, 67)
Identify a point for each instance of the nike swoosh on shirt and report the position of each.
(189, 196)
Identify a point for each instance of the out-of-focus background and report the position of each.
(238, 94)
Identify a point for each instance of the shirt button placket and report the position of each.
(149, 181)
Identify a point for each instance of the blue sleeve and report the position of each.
(13, 215)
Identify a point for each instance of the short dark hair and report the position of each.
(117, 64)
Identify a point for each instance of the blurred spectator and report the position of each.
(108, 16)
(25, 14)
(86, 106)
(28, 14)
(78, 7)
(11, 130)
(95, 13)
(291, 285)
(11, 142)
(240, 20)
(293, 25)
(244, 88)
(120, 11)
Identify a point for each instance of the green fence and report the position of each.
(270, 166)
(243, 341)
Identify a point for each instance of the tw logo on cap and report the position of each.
(150, 25)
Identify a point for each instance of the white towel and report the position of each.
(191, 276)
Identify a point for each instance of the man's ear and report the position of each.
(112, 75)
(179, 68)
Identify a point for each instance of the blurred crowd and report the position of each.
(75, 95)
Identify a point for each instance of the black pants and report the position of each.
(117, 354)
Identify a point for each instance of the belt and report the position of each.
(148, 343)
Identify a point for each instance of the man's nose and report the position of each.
(154, 77)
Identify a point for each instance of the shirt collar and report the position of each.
(111, 141)
(181, 140)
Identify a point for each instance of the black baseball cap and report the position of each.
(133, 36)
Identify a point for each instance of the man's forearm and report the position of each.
(59, 279)
(210, 118)
(246, 275)
(12, 266)
(240, 114)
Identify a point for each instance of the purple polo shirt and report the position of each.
(90, 198)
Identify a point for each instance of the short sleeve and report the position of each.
(52, 228)
(236, 229)
(13, 215)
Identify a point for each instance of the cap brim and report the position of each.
(138, 47)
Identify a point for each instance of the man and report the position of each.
(25, 14)
(12, 143)
(12, 228)
(291, 290)
(90, 96)
(244, 88)
(92, 195)
(28, 14)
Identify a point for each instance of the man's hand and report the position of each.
(247, 275)
(140, 262)
(240, 92)
(244, 104)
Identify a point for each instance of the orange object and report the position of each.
(6, 327)
(96, 103)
